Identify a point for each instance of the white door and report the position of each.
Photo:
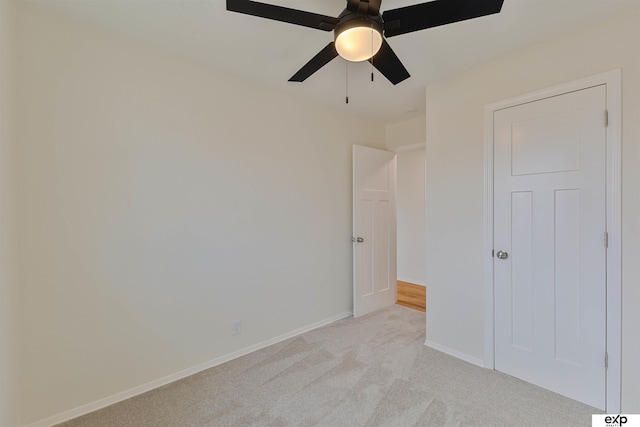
(374, 229)
(549, 219)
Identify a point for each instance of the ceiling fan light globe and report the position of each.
(359, 43)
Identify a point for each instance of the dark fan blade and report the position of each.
(389, 65)
(283, 14)
(320, 60)
(435, 13)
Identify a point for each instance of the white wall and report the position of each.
(8, 293)
(158, 202)
(455, 181)
(411, 217)
(406, 132)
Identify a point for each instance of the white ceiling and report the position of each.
(270, 52)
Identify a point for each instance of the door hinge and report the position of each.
(606, 240)
(492, 253)
(606, 118)
(606, 360)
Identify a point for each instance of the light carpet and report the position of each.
(371, 371)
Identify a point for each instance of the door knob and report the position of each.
(359, 240)
(502, 255)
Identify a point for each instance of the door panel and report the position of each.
(374, 221)
(364, 249)
(549, 215)
(522, 244)
(546, 144)
(567, 276)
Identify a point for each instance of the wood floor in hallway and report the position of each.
(412, 296)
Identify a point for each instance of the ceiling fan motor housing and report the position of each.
(358, 37)
(350, 19)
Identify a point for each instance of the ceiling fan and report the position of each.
(360, 30)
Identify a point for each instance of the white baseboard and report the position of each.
(127, 394)
(414, 281)
(455, 353)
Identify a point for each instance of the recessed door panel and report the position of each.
(365, 249)
(546, 144)
(522, 269)
(383, 246)
(567, 276)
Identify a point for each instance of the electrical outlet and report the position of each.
(235, 327)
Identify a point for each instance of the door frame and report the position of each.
(613, 82)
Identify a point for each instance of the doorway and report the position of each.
(376, 228)
(411, 243)
(552, 258)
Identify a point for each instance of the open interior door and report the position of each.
(374, 229)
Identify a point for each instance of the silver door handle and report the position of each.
(502, 255)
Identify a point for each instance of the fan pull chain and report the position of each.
(346, 99)
(372, 53)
